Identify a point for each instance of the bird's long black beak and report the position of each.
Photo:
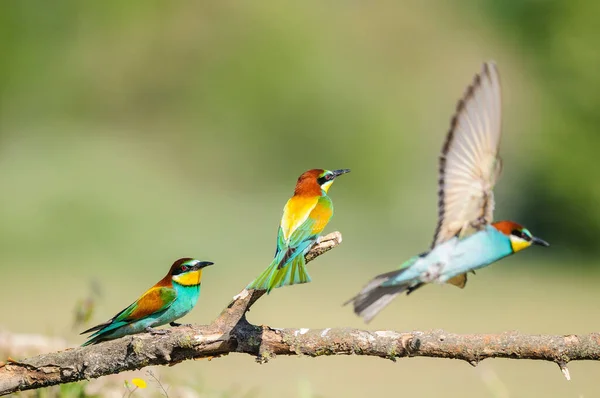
(337, 173)
(202, 264)
(540, 242)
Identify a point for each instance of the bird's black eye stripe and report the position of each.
(520, 234)
(324, 179)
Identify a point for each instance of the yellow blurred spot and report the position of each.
(139, 383)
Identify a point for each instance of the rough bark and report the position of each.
(232, 333)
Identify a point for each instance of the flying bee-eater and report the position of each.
(170, 299)
(305, 215)
(465, 238)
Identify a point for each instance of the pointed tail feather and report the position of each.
(106, 331)
(291, 274)
(367, 306)
(103, 335)
(97, 337)
(374, 297)
(97, 327)
(92, 340)
(262, 282)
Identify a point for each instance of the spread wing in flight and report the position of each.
(469, 164)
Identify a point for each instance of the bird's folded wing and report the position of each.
(304, 235)
(157, 299)
(469, 163)
(296, 212)
(313, 225)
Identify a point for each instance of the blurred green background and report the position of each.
(134, 133)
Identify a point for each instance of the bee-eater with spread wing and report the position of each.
(170, 299)
(305, 216)
(465, 237)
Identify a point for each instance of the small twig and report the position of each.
(157, 380)
(565, 371)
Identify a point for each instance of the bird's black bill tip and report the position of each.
(540, 242)
(203, 264)
(339, 172)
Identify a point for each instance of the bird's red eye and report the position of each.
(329, 177)
(184, 268)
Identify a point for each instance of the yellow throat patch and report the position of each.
(325, 187)
(192, 278)
(518, 244)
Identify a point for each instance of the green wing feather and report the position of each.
(140, 309)
(147, 304)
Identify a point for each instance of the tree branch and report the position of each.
(232, 333)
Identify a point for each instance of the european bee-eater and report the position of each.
(465, 238)
(305, 216)
(171, 298)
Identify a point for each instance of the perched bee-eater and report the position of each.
(305, 216)
(171, 298)
(465, 238)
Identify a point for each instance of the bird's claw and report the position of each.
(156, 331)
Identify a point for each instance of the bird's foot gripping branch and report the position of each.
(231, 333)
